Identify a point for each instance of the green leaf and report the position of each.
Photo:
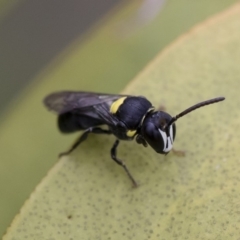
(87, 196)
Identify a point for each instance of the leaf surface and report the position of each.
(87, 196)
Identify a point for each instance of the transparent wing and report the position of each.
(61, 102)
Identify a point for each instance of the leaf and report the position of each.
(87, 196)
(23, 134)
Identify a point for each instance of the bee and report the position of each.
(127, 118)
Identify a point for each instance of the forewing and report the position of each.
(62, 102)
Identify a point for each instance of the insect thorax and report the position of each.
(129, 111)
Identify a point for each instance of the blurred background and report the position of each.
(86, 45)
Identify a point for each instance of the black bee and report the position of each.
(127, 117)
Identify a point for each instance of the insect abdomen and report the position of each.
(72, 122)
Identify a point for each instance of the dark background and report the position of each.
(34, 32)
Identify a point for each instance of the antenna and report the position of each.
(194, 107)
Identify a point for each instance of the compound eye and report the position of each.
(167, 137)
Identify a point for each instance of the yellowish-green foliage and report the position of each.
(87, 196)
(108, 52)
(5, 6)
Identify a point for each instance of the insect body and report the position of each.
(127, 117)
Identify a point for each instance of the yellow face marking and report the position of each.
(131, 133)
(115, 105)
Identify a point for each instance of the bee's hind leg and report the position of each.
(83, 137)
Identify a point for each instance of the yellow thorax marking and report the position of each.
(131, 133)
(115, 105)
